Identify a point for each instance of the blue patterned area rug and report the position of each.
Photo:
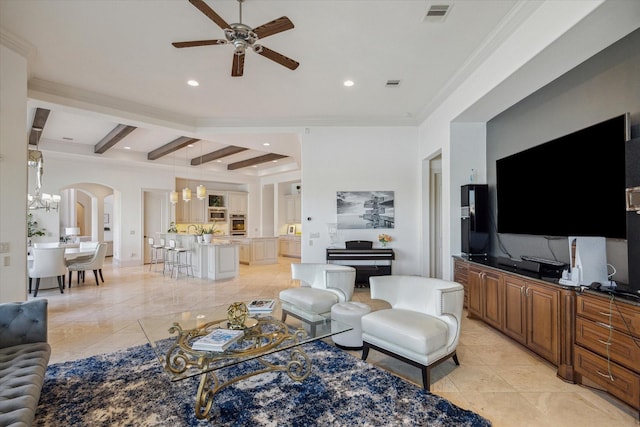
(128, 388)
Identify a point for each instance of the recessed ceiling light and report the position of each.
(193, 83)
(127, 148)
(348, 83)
(190, 145)
(219, 161)
(274, 161)
(266, 144)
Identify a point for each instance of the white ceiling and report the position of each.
(96, 64)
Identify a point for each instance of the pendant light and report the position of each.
(201, 191)
(186, 191)
(173, 195)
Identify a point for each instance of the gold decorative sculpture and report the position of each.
(237, 314)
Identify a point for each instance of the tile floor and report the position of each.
(497, 378)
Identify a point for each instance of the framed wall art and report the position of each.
(365, 209)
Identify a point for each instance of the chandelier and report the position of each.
(40, 200)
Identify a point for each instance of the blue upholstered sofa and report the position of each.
(24, 355)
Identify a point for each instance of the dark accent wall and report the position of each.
(604, 86)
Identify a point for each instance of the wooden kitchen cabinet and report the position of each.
(514, 309)
(461, 275)
(542, 321)
(606, 345)
(290, 246)
(237, 203)
(194, 211)
(526, 310)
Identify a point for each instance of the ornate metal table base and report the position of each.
(298, 369)
(264, 336)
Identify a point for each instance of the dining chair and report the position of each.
(95, 264)
(84, 247)
(46, 245)
(47, 262)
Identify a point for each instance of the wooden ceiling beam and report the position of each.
(112, 138)
(169, 148)
(39, 120)
(218, 154)
(255, 161)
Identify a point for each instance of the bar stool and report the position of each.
(182, 259)
(169, 256)
(156, 252)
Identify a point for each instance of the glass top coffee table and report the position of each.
(172, 336)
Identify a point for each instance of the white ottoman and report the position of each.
(350, 313)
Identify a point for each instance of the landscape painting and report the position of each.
(365, 209)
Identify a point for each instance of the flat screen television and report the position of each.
(570, 186)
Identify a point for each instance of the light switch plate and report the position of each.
(5, 247)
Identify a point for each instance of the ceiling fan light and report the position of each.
(201, 192)
(173, 197)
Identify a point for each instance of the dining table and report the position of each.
(70, 254)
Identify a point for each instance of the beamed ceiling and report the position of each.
(105, 80)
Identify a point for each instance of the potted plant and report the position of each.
(207, 233)
(32, 228)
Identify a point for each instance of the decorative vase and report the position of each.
(384, 244)
(207, 237)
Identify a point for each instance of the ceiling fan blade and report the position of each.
(202, 7)
(277, 57)
(276, 26)
(237, 69)
(198, 43)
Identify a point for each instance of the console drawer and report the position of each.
(599, 338)
(616, 314)
(625, 384)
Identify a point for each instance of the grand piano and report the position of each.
(367, 261)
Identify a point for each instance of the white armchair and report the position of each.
(321, 286)
(421, 328)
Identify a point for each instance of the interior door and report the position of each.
(155, 218)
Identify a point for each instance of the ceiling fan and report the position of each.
(243, 37)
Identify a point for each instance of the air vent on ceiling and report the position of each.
(393, 83)
(437, 13)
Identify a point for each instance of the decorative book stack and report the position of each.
(259, 306)
(218, 340)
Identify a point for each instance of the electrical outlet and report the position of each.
(7, 261)
(5, 247)
(310, 242)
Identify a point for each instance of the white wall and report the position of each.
(360, 159)
(13, 175)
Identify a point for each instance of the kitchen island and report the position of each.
(214, 261)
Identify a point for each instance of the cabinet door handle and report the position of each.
(605, 375)
(604, 342)
(604, 325)
(521, 289)
(605, 314)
